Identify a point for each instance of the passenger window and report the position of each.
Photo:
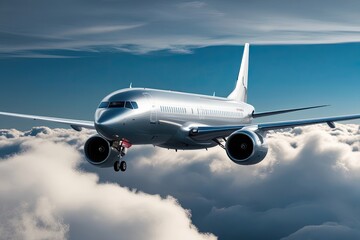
(128, 105)
(134, 104)
(120, 104)
(104, 105)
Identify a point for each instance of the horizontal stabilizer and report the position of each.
(265, 114)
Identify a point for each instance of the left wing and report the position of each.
(212, 132)
(75, 124)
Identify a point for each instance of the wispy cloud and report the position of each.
(192, 4)
(100, 29)
(164, 25)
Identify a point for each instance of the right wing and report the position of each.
(205, 133)
(296, 123)
(75, 124)
(264, 114)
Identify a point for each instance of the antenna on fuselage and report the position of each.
(130, 85)
(214, 94)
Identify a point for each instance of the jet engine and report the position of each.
(246, 147)
(99, 152)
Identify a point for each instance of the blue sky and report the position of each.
(61, 59)
(280, 76)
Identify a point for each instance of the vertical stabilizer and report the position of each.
(239, 94)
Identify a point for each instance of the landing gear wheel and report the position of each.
(123, 166)
(117, 166)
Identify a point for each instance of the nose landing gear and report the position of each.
(120, 165)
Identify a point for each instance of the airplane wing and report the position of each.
(204, 133)
(75, 124)
(264, 114)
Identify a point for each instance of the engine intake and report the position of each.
(99, 152)
(246, 147)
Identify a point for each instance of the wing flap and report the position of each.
(76, 124)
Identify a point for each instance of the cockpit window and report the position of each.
(104, 105)
(128, 105)
(134, 104)
(119, 104)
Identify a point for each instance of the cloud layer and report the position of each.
(142, 26)
(307, 187)
(44, 196)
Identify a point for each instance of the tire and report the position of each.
(117, 166)
(123, 166)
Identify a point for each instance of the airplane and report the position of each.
(181, 121)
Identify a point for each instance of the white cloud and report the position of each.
(309, 178)
(325, 231)
(308, 185)
(100, 29)
(142, 26)
(192, 4)
(44, 196)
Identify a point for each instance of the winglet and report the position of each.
(239, 94)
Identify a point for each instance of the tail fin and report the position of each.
(239, 94)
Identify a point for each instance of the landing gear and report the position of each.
(120, 165)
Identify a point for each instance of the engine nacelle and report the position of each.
(246, 147)
(99, 152)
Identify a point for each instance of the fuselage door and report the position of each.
(153, 113)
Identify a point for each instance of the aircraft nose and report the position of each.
(106, 124)
(103, 117)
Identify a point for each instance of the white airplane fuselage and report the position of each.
(163, 118)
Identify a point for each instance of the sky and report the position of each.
(280, 76)
(61, 58)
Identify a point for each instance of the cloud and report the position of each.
(100, 29)
(44, 196)
(307, 187)
(141, 26)
(326, 231)
(308, 179)
(192, 4)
